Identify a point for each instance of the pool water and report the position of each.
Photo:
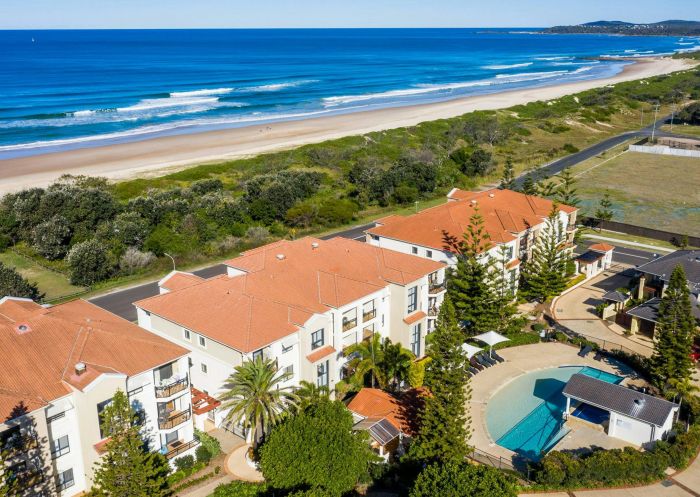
(591, 414)
(525, 416)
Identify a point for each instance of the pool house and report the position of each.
(632, 416)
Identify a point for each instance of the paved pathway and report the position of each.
(653, 248)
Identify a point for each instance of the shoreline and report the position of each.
(161, 155)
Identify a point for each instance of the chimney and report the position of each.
(314, 245)
(80, 368)
(280, 257)
(492, 195)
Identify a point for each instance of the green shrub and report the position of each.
(203, 454)
(89, 263)
(463, 479)
(211, 443)
(569, 148)
(517, 339)
(240, 489)
(184, 463)
(537, 327)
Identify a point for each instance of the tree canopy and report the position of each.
(13, 284)
(461, 479)
(316, 450)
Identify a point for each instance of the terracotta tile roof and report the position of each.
(415, 317)
(177, 280)
(601, 247)
(283, 285)
(38, 364)
(506, 213)
(375, 403)
(319, 354)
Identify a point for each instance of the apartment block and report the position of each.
(300, 303)
(513, 221)
(61, 366)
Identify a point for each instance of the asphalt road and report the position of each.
(121, 302)
(559, 165)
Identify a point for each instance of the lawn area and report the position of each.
(655, 191)
(52, 283)
(682, 129)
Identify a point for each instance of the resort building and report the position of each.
(300, 303)
(653, 280)
(512, 220)
(634, 417)
(61, 366)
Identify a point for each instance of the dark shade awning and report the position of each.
(381, 430)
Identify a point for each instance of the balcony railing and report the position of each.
(368, 333)
(348, 325)
(177, 448)
(432, 311)
(436, 288)
(366, 316)
(172, 388)
(173, 420)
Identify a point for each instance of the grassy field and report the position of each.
(655, 191)
(52, 283)
(682, 129)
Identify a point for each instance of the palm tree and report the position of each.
(368, 358)
(309, 393)
(681, 388)
(255, 399)
(396, 364)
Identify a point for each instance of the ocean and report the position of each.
(61, 90)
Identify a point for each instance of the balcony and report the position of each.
(18, 445)
(172, 388)
(348, 325)
(178, 447)
(366, 316)
(174, 419)
(432, 312)
(368, 332)
(434, 288)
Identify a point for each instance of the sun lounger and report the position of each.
(480, 358)
(472, 370)
(585, 351)
(488, 359)
(476, 364)
(494, 355)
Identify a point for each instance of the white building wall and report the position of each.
(629, 429)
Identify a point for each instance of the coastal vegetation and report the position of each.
(662, 28)
(212, 211)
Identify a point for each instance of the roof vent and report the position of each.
(639, 402)
(80, 368)
(492, 195)
(22, 328)
(280, 257)
(473, 202)
(314, 245)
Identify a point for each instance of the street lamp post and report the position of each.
(171, 258)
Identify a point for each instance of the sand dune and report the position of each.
(159, 155)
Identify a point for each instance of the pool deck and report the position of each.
(518, 361)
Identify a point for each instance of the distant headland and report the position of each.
(663, 28)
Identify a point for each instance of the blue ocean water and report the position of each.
(68, 89)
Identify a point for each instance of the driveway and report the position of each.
(576, 310)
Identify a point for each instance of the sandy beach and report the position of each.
(159, 155)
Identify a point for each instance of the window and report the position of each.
(187, 334)
(60, 447)
(429, 254)
(288, 370)
(349, 319)
(507, 252)
(65, 480)
(204, 368)
(322, 374)
(368, 311)
(258, 354)
(317, 339)
(375, 237)
(202, 341)
(414, 250)
(171, 437)
(412, 299)
(101, 407)
(190, 362)
(415, 340)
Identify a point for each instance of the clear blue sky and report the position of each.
(36, 14)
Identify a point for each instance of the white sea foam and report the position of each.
(587, 63)
(554, 58)
(507, 66)
(279, 86)
(684, 43)
(201, 93)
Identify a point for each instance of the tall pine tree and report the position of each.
(504, 287)
(544, 275)
(508, 178)
(444, 424)
(675, 328)
(128, 469)
(567, 193)
(473, 295)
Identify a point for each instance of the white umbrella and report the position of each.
(470, 350)
(491, 338)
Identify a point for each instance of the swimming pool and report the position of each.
(525, 416)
